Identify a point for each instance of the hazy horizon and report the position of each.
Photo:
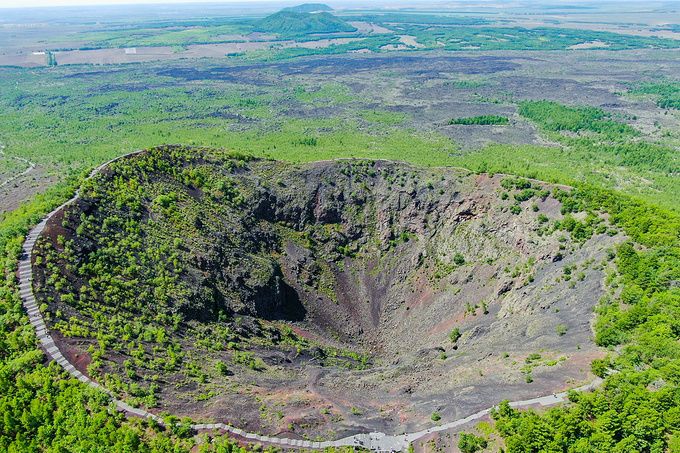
(57, 3)
(401, 3)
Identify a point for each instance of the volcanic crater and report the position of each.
(322, 298)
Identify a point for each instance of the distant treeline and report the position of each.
(483, 120)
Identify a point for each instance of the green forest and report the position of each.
(666, 94)
(481, 120)
(638, 406)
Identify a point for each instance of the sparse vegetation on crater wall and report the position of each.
(192, 278)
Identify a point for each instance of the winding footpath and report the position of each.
(30, 168)
(373, 441)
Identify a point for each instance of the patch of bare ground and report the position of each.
(23, 58)
(368, 27)
(410, 41)
(473, 137)
(22, 189)
(590, 45)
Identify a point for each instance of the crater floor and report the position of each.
(321, 299)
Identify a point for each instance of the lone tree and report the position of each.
(455, 335)
(469, 443)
